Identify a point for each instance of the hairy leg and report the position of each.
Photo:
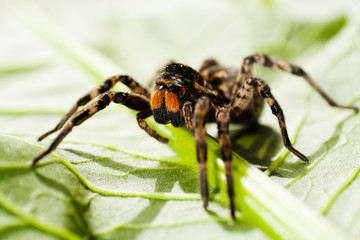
(104, 87)
(140, 117)
(246, 71)
(131, 100)
(244, 95)
(223, 120)
(200, 112)
(187, 112)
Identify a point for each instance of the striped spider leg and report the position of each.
(245, 72)
(246, 99)
(137, 100)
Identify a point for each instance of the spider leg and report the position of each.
(223, 119)
(104, 87)
(263, 60)
(207, 63)
(131, 100)
(187, 112)
(264, 90)
(198, 131)
(143, 125)
(200, 112)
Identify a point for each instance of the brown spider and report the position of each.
(183, 96)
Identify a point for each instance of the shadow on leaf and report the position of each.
(257, 144)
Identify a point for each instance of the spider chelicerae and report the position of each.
(184, 96)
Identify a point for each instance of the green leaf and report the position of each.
(109, 180)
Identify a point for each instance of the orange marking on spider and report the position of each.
(165, 81)
(157, 99)
(172, 102)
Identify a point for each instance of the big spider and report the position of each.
(183, 96)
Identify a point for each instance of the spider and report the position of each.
(184, 96)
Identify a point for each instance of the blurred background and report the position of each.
(141, 35)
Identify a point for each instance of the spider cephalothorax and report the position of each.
(184, 96)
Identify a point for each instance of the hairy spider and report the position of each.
(184, 96)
